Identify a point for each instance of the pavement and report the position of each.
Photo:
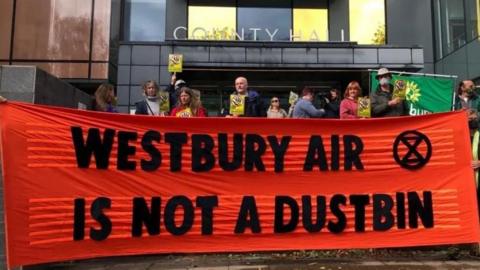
(302, 260)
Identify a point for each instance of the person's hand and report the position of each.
(173, 78)
(475, 164)
(231, 116)
(394, 101)
(327, 100)
(2, 99)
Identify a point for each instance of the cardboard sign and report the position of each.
(237, 104)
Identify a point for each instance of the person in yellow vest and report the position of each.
(476, 162)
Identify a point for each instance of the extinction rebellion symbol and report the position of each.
(416, 156)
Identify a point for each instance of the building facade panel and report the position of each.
(365, 56)
(335, 55)
(193, 53)
(299, 55)
(228, 54)
(6, 12)
(394, 56)
(264, 55)
(124, 55)
(123, 75)
(141, 74)
(146, 55)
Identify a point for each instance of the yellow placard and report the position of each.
(292, 98)
(175, 63)
(164, 101)
(237, 104)
(364, 107)
(399, 89)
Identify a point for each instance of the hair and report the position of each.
(352, 84)
(270, 107)
(194, 103)
(306, 91)
(336, 91)
(461, 85)
(101, 95)
(154, 83)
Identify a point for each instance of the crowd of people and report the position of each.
(181, 101)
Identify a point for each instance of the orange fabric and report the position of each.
(42, 180)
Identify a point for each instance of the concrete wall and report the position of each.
(31, 84)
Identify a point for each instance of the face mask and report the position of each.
(384, 81)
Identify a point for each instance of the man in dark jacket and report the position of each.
(383, 104)
(467, 99)
(254, 106)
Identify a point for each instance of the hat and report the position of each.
(179, 83)
(382, 72)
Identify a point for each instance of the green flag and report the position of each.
(423, 94)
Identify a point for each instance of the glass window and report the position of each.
(264, 20)
(452, 25)
(367, 21)
(144, 20)
(57, 30)
(6, 12)
(101, 30)
(214, 23)
(438, 30)
(473, 14)
(310, 24)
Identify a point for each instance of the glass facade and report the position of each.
(212, 22)
(472, 9)
(265, 20)
(6, 11)
(67, 38)
(284, 20)
(457, 22)
(367, 21)
(144, 20)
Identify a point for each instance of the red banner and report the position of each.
(82, 184)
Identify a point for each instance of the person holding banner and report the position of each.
(188, 105)
(382, 100)
(349, 106)
(245, 101)
(105, 99)
(156, 102)
(2, 99)
(304, 107)
(467, 99)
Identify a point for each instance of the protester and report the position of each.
(188, 105)
(174, 88)
(274, 111)
(476, 163)
(332, 106)
(304, 107)
(253, 106)
(383, 104)
(349, 105)
(105, 99)
(153, 103)
(2, 99)
(467, 99)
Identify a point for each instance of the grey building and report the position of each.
(279, 45)
(283, 45)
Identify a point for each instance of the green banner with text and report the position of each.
(423, 94)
